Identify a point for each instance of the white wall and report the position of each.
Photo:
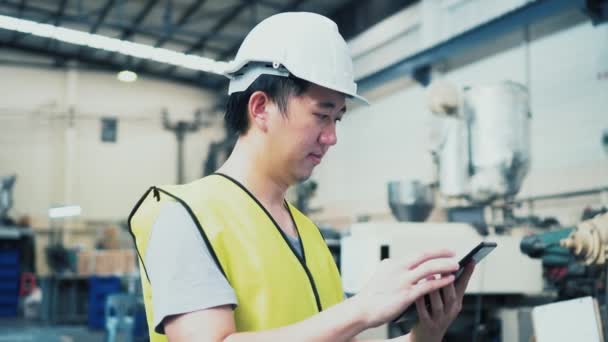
(569, 102)
(59, 164)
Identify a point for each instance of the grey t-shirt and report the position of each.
(183, 275)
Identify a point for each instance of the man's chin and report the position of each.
(303, 176)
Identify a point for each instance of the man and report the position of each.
(226, 258)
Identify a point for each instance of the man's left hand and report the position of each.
(433, 324)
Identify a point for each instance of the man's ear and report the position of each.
(258, 109)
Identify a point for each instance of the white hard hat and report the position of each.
(305, 45)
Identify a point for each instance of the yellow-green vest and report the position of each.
(273, 286)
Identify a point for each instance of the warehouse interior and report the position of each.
(488, 121)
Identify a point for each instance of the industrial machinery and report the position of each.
(181, 128)
(481, 151)
(16, 251)
(6, 197)
(574, 259)
(589, 240)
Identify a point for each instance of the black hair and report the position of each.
(278, 89)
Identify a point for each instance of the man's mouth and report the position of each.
(315, 157)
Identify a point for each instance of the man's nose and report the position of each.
(328, 135)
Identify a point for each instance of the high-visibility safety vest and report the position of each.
(274, 287)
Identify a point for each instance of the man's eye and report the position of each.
(322, 116)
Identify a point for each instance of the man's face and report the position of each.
(301, 137)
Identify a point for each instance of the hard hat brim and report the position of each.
(234, 68)
(359, 99)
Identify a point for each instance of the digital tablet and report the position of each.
(475, 255)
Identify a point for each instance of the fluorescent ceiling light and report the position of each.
(127, 76)
(67, 211)
(112, 44)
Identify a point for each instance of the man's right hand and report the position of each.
(395, 286)
(397, 283)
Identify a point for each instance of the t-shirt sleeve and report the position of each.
(183, 275)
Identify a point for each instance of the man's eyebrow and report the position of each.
(330, 105)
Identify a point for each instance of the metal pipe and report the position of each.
(180, 155)
(578, 193)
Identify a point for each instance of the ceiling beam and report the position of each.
(102, 16)
(269, 4)
(292, 6)
(221, 23)
(216, 28)
(128, 32)
(57, 21)
(20, 8)
(141, 16)
(186, 15)
(209, 82)
(43, 14)
(98, 22)
(168, 34)
(470, 40)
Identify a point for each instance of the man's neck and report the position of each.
(251, 168)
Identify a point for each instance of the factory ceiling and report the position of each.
(208, 28)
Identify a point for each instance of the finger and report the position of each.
(432, 268)
(449, 295)
(463, 281)
(427, 287)
(436, 303)
(441, 253)
(423, 313)
(452, 305)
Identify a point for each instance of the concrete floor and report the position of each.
(19, 330)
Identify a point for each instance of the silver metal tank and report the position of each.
(410, 200)
(498, 120)
(453, 156)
